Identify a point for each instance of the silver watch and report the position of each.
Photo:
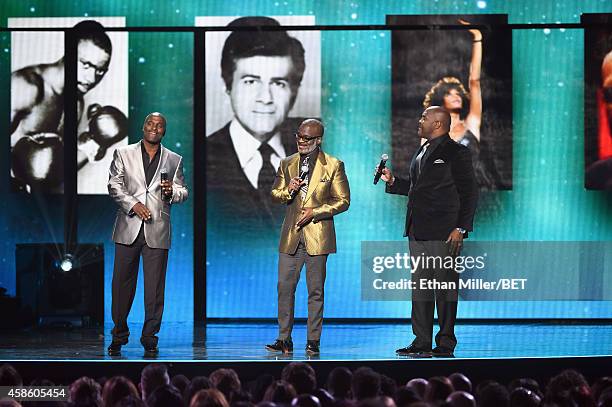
(461, 230)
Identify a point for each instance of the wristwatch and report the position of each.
(461, 230)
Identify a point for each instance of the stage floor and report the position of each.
(340, 341)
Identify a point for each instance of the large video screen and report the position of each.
(538, 139)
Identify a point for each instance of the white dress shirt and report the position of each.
(247, 150)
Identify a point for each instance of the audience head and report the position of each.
(152, 377)
(460, 399)
(9, 403)
(571, 386)
(305, 400)
(419, 385)
(180, 381)
(527, 383)
(259, 387)
(129, 401)
(226, 381)
(522, 397)
(438, 389)
(339, 382)
(325, 399)
(493, 395)
(601, 385)
(381, 401)
(208, 398)
(461, 382)
(9, 376)
(388, 386)
(197, 383)
(84, 392)
(365, 383)
(116, 388)
(165, 396)
(301, 376)
(280, 392)
(405, 396)
(605, 399)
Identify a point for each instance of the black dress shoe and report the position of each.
(280, 345)
(151, 351)
(442, 352)
(413, 350)
(312, 347)
(114, 349)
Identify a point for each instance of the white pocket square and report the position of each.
(439, 161)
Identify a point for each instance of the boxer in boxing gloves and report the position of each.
(37, 115)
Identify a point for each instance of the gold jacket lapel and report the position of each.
(317, 174)
(293, 167)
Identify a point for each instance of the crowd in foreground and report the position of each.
(298, 387)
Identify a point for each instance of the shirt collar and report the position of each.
(247, 146)
(145, 154)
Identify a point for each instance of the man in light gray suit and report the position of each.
(142, 227)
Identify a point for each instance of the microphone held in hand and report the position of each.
(381, 166)
(164, 177)
(304, 168)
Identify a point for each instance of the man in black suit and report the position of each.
(262, 72)
(442, 197)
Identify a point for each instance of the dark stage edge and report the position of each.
(341, 342)
(501, 370)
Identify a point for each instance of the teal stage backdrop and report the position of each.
(547, 202)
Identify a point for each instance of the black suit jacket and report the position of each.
(445, 194)
(230, 195)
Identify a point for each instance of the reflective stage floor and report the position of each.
(340, 342)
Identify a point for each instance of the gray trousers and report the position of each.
(289, 269)
(424, 300)
(125, 275)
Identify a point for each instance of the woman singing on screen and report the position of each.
(465, 109)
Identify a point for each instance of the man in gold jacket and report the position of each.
(308, 233)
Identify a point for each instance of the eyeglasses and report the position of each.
(301, 138)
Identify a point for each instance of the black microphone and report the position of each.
(381, 166)
(164, 177)
(304, 169)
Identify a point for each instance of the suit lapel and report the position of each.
(317, 174)
(429, 159)
(138, 158)
(293, 165)
(163, 157)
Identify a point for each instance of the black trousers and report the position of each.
(430, 292)
(125, 275)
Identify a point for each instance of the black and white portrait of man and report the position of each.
(259, 86)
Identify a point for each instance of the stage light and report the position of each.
(66, 263)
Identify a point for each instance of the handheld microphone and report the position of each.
(304, 169)
(381, 166)
(163, 173)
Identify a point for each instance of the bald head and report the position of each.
(441, 115)
(435, 121)
(155, 114)
(312, 127)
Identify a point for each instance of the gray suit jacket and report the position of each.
(127, 186)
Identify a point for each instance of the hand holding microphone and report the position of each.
(166, 185)
(296, 183)
(380, 171)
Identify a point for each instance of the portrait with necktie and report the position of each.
(262, 72)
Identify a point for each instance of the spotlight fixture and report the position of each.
(66, 263)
